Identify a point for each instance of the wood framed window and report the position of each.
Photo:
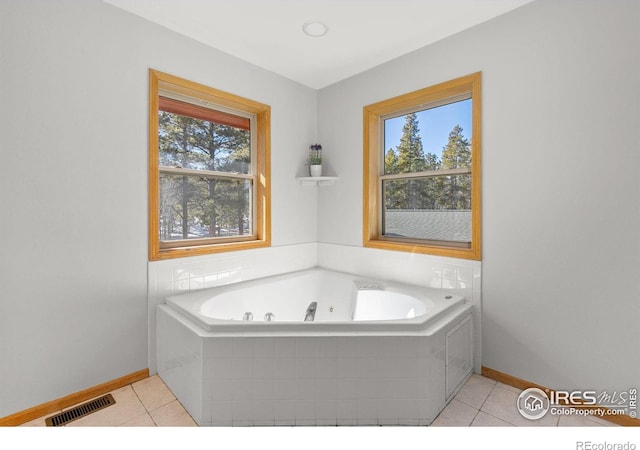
(209, 170)
(422, 171)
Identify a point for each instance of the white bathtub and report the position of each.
(342, 299)
(376, 353)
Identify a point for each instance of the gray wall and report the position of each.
(73, 185)
(561, 152)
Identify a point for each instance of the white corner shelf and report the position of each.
(316, 180)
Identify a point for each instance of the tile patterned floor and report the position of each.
(146, 403)
(485, 402)
(481, 402)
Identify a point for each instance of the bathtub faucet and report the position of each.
(311, 312)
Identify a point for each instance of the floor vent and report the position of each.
(80, 411)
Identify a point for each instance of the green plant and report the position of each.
(315, 155)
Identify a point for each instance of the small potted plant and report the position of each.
(315, 160)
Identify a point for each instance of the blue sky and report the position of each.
(435, 125)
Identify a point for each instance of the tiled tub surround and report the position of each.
(181, 275)
(398, 376)
(461, 277)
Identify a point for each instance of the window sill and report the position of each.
(199, 250)
(435, 250)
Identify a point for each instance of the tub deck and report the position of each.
(340, 298)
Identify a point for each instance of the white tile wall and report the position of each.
(181, 365)
(463, 277)
(181, 275)
(308, 389)
(174, 276)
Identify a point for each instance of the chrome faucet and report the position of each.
(311, 312)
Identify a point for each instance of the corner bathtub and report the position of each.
(376, 352)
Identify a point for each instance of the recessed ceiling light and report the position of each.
(315, 29)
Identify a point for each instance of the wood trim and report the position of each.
(199, 250)
(524, 384)
(451, 89)
(509, 379)
(206, 94)
(183, 243)
(476, 167)
(372, 114)
(158, 82)
(263, 185)
(70, 400)
(154, 166)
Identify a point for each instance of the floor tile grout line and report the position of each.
(155, 424)
(485, 401)
(482, 380)
(487, 397)
(160, 406)
(147, 412)
(474, 417)
(139, 399)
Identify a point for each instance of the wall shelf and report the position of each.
(316, 180)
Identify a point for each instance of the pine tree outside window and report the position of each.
(208, 170)
(424, 200)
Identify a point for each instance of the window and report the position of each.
(208, 170)
(422, 170)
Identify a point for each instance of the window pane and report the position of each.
(194, 207)
(431, 139)
(199, 144)
(434, 208)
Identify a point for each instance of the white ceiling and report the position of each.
(362, 33)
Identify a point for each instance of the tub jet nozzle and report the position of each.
(311, 312)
